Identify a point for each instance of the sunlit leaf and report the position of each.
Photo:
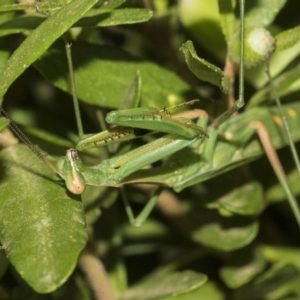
(42, 225)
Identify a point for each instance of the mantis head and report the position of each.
(70, 168)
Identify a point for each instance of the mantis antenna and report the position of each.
(18, 132)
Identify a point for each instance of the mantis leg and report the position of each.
(144, 214)
(134, 123)
(276, 165)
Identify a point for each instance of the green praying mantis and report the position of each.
(182, 132)
(227, 147)
(132, 123)
(109, 172)
(205, 151)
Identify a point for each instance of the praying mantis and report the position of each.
(145, 118)
(178, 174)
(141, 118)
(111, 172)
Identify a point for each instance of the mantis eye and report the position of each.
(74, 179)
(75, 182)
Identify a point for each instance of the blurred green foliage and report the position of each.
(232, 236)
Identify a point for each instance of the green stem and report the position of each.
(73, 89)
(285, 123)
(240, 102)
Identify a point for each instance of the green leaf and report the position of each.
(94, 17)
(6, 16)
(40, 40)
(284, 84)
(48, 137)
(161, 287)
(116, 17)
(282, 254)
(227, 18)
(42, 225)
(242, 267)
(288, 38)
(204, 70)
(5, 44)
(150, 229)
(263, 12)
(245, 200)
(3, 123)
(278, 282)
(209, 228)
(276, 192)
(207, 291)
(202, 20)
(132, 95)
(4, 52)
(117, 70)
(4, 263)
(112, 4)
(25, 6)
(21, 24)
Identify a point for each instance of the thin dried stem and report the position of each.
(276, 165)
(96, 274)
